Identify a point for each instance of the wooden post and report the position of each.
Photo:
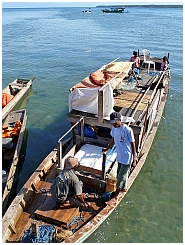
(103, 165)
(100, 107)
(82, 130)
(34, 226)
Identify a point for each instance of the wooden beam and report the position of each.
(82, 130)
(12, 228)
(100, 107)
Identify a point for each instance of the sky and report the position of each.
(40, 4)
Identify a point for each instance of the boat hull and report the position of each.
(23, 89)
(112, 11)
(34, 201)
(91, 226)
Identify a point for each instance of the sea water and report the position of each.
(61, 46)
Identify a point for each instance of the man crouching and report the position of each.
(66, 189)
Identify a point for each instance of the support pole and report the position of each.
(100, 107)
(82, 130)
(103, 165)
(34, 226)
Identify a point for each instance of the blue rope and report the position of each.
(76, 221)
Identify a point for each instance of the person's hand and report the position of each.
(87, 204)
(104, 149)
(134, 163)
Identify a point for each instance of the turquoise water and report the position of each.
(61, 46)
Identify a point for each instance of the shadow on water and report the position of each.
(40, 142)
(22, 103)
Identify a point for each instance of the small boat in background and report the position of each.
(113, 10)
(13, 93)
(86, 11)
(12, 137)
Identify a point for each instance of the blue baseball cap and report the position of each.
(114, 117)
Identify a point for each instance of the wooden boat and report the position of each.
(12, 137)
(13, 93)
(113, 10)
(34, 210)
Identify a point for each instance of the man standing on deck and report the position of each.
(123, 138)
(135, 58)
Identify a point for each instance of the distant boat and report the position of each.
(86, 11)
(113, 10)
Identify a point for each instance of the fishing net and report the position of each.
(45, 234)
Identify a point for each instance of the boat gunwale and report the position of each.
(12, 171)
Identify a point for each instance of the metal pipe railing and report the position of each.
(59, 143)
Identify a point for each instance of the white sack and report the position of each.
(91, 156)
(86, 100)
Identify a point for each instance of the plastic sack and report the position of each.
(88, 132)
(136, 71)
(107, 196)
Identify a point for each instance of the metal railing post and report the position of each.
(103, 165)
(59, 144)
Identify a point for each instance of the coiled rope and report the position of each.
(76, 221)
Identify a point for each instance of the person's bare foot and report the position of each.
(66, 205)
(111, 202)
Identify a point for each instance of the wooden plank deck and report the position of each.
(131, 99)
(51, 213)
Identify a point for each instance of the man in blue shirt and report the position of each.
(123, 138)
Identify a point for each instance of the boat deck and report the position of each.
(131, 98)
(43, 210)
(130, 95)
